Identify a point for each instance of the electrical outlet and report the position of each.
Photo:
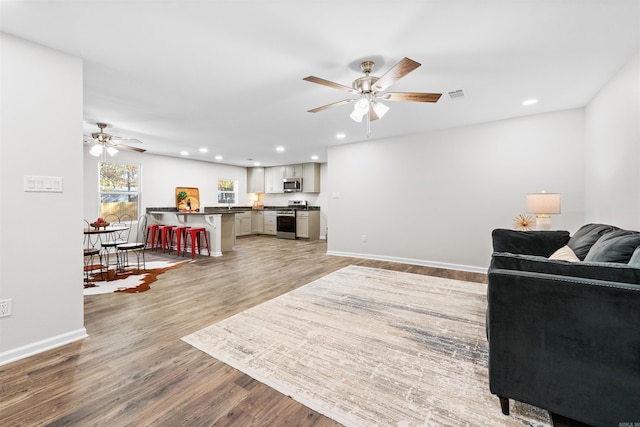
(364, 238)
(5, 308)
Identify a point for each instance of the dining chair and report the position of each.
(136, 246)
(91, 249)
(122, 225)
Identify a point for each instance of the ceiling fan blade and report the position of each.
(324, 82)
(326, 107)
(126, 147)
(398, 71)
(411, 96)
(127, 140)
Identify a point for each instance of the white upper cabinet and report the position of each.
(272, 177)
(311, 178)
(255, 180)
(293, 171)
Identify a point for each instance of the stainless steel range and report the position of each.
(286, 219)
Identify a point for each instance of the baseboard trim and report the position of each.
(32, 349)
(424, 263)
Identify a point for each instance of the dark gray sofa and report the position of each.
(565, 336)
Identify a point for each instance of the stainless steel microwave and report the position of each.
(292, 185)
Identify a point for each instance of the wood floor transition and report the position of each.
(133, 369)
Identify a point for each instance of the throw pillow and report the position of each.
(565, 254)
(635, 259)
(615, 246)
(586, 237)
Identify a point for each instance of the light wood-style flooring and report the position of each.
(133, 369)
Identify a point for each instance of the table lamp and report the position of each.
(542, 205)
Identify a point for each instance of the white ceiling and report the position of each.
(227, 74)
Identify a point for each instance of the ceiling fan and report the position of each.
(107, 143)
(370, 88)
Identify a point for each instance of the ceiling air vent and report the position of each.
(456, 94)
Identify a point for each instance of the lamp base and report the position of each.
(543, 222)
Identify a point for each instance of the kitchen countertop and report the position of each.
(213, 210)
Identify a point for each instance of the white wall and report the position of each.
(41, 134)
(612, 179)
(434, 198)
(160, 177)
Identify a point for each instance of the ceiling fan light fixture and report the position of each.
(96, 150)
(112, 151)
(380, 109)
(356, 117)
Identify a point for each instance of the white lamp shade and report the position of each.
(543, 203)
(356, 117)
(112, 151)
(96, 150)
(380, 109)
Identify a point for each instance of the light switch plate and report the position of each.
(43, 184)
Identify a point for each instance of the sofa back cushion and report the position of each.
(586, 237)
(589, 270)
(542, 243)
(614, 246)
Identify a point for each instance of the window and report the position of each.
(226, 192)
(119, 189)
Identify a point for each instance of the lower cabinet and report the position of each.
(308, 225)
(243, 223)
(257, 222)
(269, 223)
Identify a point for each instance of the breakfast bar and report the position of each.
(220, 226)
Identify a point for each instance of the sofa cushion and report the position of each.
(615, 246)
(566, 254)
(542, 243)
(586, 237)
(589, 270)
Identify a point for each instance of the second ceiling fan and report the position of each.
(370, 89)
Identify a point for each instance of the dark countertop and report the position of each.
(212, 210)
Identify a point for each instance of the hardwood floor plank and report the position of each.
(133, 369)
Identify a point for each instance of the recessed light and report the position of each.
(280, 149)
(529, 102)
(314, 157)
(184, 153)
(218, 157)
(203, 150)
(341, 136)
(256, 164)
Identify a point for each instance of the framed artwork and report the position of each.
(187, 199)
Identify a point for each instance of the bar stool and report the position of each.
(165, 236)
(179, 233)
(153, 230)
(194, 234)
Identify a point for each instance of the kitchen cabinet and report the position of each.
(311, 178)
(269, 223)
(273, 178)
(308, 225)
(257, 222)
(255, 180)
(293, 171)
(243, 223)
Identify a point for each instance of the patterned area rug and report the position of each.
(128, 281)
(369, 346)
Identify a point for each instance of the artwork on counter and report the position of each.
(187, 199)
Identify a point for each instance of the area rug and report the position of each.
(128, 281)
(370, 347)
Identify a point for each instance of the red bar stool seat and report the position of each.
(151, 230)
(194, 234)
(179, 233)
(165, 236)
